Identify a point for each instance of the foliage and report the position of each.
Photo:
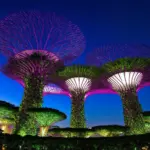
(28, 126)
(132, 110)
(77, 111)
(111, 130)
(32, 98)
(131, 107)
(71, 132)
(33, 93)
(46, 116)
(146, 116)
(104, 131)
(77, 114)
(79, 71)
(125, 64)
(7, 110)
(7, 121)
(112, 143)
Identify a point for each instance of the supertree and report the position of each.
(124, 72)
(34, 45)
(77, 80)
(46, 117)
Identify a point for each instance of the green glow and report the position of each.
(111, 130)
(79, 71)
(125, 64)
(146, 116)
(45, 117)
(29, 127)
(32, 98)
(8, 110)
(132, 112)
(131, 108)
(105, 131)
(77, 112)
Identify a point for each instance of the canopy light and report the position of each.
(125, 80)
(78, 83)
(26, 53)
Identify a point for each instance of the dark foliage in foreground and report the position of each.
(13, 142)
(7, 105)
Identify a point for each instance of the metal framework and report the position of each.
(79, 83)
(125, 80)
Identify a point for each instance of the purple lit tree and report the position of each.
(34, 45)
(124, 67)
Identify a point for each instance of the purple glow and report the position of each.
(54, 89)
(108, 53)
(33, 30)
(100, 91)
(26, 53)
(142, 85)
(38, 63)
(111, 91)
(50, 89)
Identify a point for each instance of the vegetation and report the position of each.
(78, 89)
(45, 117)
(136, 142)
(103, 131)
(79, 71)
(125, 64)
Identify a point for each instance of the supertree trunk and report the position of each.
(43, 130)
(33, 93)
(132, 110)
(77, 112)
(25, 124)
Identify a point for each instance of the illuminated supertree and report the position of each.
(78, 80)
(34, 45)
(124, 72)
(46, 117)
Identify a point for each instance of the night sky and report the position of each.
(102, 22)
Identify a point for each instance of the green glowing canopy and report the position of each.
(46, 116)
(79, 71)
(7, 110)
(125, 64)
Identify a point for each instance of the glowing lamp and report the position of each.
(125, 80)
(78, 83)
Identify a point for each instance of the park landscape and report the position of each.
(37, 50)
